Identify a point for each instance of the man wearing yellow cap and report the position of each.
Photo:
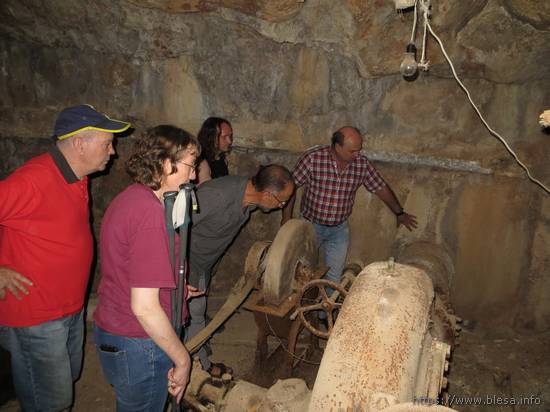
(46, 250)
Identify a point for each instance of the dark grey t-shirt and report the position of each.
(219, 220)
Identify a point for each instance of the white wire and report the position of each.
(425, 9)
(494, 133)
(414, 23)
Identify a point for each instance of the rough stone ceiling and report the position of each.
(285, 71)
(501, 41)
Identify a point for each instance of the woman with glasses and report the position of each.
(140, 353)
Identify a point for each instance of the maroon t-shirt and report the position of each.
(134, 253)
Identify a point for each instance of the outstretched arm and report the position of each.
(387, 195)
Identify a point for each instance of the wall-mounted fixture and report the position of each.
(409, 67)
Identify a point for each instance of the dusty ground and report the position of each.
(509, 369)
(482, 369)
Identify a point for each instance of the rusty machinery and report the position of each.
(287, 265)
(274, 270)
(274, 274)
(386, 348)
(290, 294)
(389, 346)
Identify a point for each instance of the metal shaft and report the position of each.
(169, 200)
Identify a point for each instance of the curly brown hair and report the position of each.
(159, 143)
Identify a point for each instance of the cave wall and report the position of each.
(287, 73)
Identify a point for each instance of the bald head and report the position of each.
(345, 133)
(271, 188)
(347, 143)
(272, 177)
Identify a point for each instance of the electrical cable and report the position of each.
(493, 132)
(426, 14)
(413, 34)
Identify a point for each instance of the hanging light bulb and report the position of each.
(409, 67)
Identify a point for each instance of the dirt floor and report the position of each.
(509, 373)
(485, 374)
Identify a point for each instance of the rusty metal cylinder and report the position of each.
(374, 353)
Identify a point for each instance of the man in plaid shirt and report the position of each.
(331, 176)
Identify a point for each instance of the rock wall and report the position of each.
(287, 73)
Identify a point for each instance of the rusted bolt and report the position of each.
(226, 378)
(382, 403)
(391, 263)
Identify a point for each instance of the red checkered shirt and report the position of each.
(329, 196)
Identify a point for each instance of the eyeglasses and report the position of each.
(282, 203)
(186, 164)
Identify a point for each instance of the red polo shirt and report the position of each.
(45, 236)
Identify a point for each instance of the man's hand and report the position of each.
(14, 282)
(178, 378)
(409, 221)
(193, 292)
(544, 118)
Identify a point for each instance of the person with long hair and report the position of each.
(216, 138)
(141, 355)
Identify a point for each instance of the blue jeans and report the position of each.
(137, 368)
(335, 241)
(46, 359)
